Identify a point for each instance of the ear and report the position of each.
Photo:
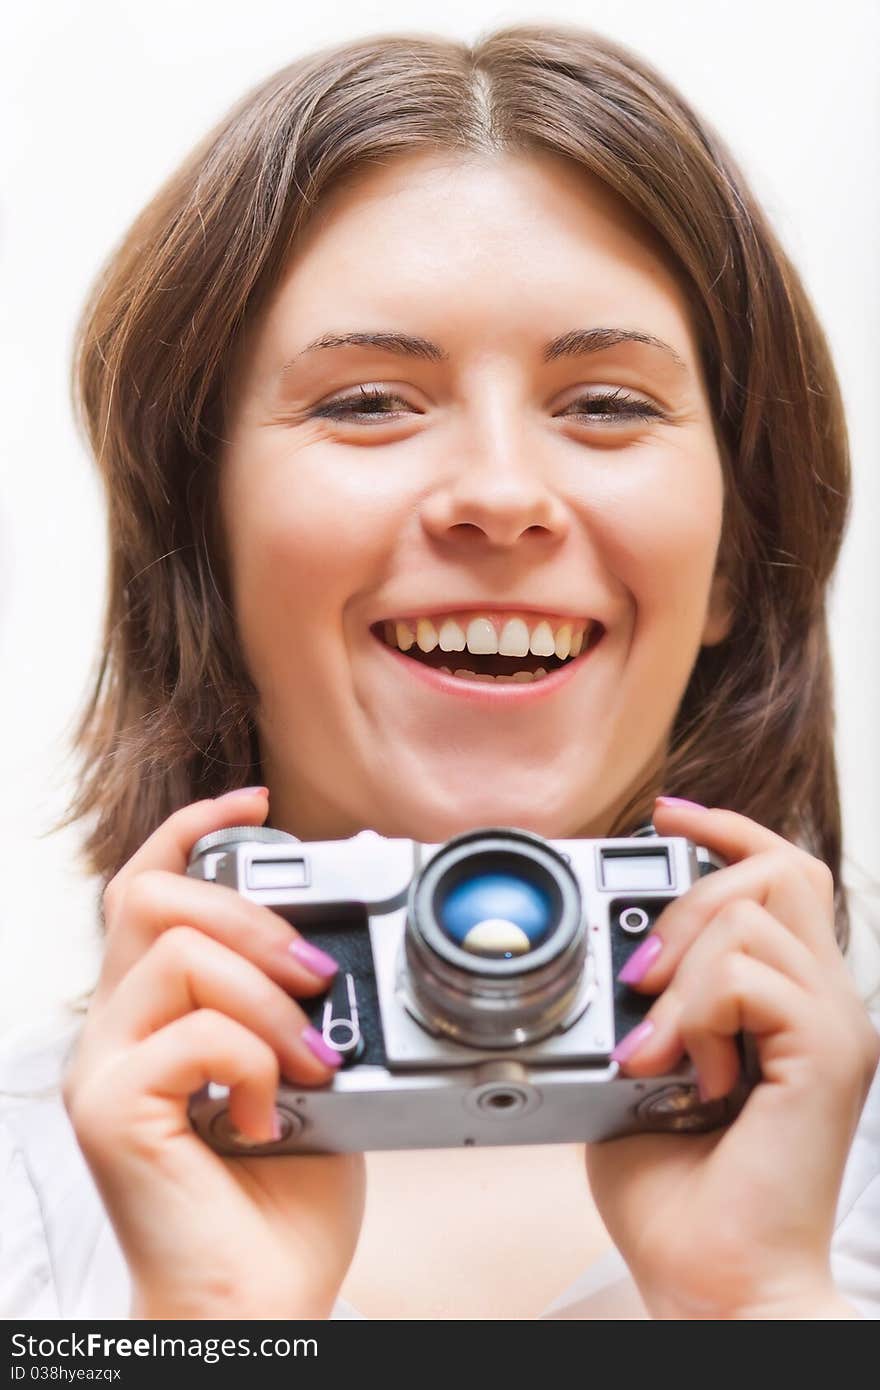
(719, 611)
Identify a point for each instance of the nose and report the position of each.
(498, 495)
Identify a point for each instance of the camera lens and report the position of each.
(494, 944)
(496, 909)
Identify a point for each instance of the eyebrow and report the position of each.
(577, 343)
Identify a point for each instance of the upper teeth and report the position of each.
(485, 635)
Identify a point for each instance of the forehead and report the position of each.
(490, 246)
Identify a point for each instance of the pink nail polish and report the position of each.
(640, 961)
(322, 1050)
(313, 958)
(678, 801)
(633, 1041)
(243, 791)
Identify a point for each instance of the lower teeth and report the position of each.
(518, 678)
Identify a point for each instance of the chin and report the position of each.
(436, 823)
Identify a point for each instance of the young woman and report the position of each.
(473, 456)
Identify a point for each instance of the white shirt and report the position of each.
(59, 1257)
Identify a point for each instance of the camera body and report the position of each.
(477, 999)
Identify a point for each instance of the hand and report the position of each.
(196, 985)
(738, 1223)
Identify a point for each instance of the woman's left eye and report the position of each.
(606, 406)
(614, 405)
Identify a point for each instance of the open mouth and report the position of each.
(491, 667)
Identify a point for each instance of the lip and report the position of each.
(408, 615)
(484, 695)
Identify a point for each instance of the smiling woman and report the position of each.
(485, 466)
(542, 287)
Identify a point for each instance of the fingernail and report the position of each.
(243, 1140)
(633, 1041)
(704, 1090)
(243, 791)
(640, 961)
(678, 801)
(313, 958)
(276, 1125)
(323, 1051)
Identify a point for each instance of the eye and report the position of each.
(368, 402)
(611, 406)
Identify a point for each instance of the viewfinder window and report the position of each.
(277, 873)
(621, 870)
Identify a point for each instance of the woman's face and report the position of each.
(491, 493)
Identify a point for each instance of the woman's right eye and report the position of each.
(366, 403)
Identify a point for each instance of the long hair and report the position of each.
(170, 713)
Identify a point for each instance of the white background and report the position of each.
(101, 101)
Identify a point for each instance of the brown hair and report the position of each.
(170, 716)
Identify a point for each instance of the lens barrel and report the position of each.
(495, 946)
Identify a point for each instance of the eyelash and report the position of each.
(636, 408)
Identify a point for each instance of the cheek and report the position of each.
(657, 531)
(303, 535)
(661, 528)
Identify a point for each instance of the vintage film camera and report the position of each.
(477, 1000)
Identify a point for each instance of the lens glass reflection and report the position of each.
(496, 912)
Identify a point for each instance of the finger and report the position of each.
(744, 925)
(732, 835)
(736, 837)
(832, 1013)
(156, 900)
(742, 930)
(739, 928)
(176, 1061)
(170, 844)
(746, 995)
(186, 971)
(772, 878)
